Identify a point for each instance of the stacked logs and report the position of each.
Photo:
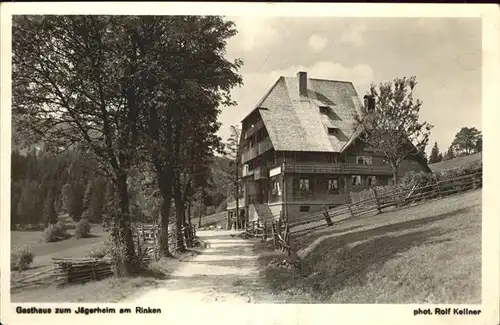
(79, 270)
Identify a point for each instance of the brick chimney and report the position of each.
(302, 77)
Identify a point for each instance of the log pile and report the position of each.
(79, 270)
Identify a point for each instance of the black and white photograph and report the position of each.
(160, 160)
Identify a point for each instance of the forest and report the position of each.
(126, 108)
(45, 186)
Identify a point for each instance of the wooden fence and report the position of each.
(280, 235)
(80, 270)
(372, 204)
(146, 238)
(44, 276)
(257, 229)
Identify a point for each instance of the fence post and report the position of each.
(474, 181)
(439, 189)
(377, 200)
(327, 217)
(287, 239)
(350, 210)
(273, 234)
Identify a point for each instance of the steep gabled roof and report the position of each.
(294, 122)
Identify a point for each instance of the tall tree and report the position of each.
(67, 197)
(49, 211)
(436, 156)
(466, 141)
(233, 152)
(183, 102)
(74, 83)
(97, 200)
(391, 125)
(450, 153)
(76, 204)
(479, 144)
(87, 196)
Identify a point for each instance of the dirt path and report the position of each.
(226, 271)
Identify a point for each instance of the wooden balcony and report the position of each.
(342, 168)
(245, 171)
(258, 149)
(257, 126)
(260, 173)
(257, 173)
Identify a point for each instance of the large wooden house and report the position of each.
(300, 149)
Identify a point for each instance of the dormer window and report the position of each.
(324, 109)
(332, 131)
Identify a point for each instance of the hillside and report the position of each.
(219, 185)
(456, 162)
(429, 253)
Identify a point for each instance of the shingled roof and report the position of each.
(293, 119)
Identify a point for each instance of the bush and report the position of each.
(420, 179)
(21, 258)
(82, 229)
(55, 232)
(61, 228)
(100, 251)
(51, 234)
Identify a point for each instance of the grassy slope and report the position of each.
(214, 219)
(71, 247)
(109, 290)
(430, 253)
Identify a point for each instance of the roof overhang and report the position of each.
(259, 103)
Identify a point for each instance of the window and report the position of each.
(332, 131)
(333, 159)
(364, 160)
(356, 180)
(333, 185)
(324, 109)
(372, 180)
(304, 208)
(342, 183)
(276, 190)
(304, 184)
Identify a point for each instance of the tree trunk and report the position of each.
(200, 209)
(179, 212)
(165, 186)
(122, 232)
(188, 222)
(189, 213)
(395, 175)
(238, 217)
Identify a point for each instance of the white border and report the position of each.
(276, 314)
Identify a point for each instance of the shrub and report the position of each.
(82, 229)
(100, 251)
(420, 179)
(61, 228)
(50, 234)
(21, 258)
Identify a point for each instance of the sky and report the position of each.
(443, 53)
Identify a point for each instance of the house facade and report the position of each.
(300, 149)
